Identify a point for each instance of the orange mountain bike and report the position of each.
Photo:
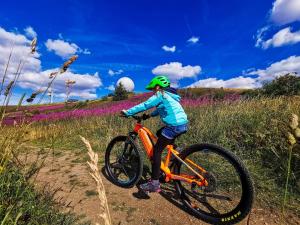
(210, 180)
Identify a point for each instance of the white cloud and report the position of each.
(288, 65)
(65, 49)
(19, 46)
(61, 48)
(112, 73)
(85, 86)
(169, 49)
(285, 11)
(175, 71)
(281, 38)
(86, 51)
(260, 35)
(32, 76)
(11, 38)
(193, 40)
(110, 87)
(236, 82)
(29, 32)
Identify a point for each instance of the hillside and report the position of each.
(254, 129)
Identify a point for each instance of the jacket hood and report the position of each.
(171, 90)
(173, 93)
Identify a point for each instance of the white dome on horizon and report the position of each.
(127, 83)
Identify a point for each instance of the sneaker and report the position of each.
(151, 186)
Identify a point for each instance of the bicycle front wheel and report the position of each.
(227, 196)
(123, 162)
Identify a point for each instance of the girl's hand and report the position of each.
(123, 114)
(145, 116)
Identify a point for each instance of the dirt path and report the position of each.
(67, 171)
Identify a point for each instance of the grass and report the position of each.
(124, 208)
(253, 129)
(22, 204)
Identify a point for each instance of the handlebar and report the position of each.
(140, 118)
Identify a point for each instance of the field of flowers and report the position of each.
(63, 111)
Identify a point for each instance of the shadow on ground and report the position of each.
(168, 190)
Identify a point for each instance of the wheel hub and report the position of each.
(212, 183)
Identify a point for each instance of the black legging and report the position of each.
(160, 145)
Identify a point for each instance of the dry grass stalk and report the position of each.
(55, 74)
(69, 84)
(33, 95)
(33, 45)
(292, 140)
(9, 86)
(95, 173)
(68, 63)
(5, 71)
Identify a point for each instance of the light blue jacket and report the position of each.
(167, 107)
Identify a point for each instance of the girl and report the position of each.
(167, 103)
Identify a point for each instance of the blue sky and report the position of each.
(201, 42)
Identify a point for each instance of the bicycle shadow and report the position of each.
(168, 191)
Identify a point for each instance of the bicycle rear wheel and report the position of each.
(228, 197)
(123, 162)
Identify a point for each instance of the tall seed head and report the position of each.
(9, 86)
(68, 63)
(291, 139)
(53, 74)
(294, 121)
(33, 45)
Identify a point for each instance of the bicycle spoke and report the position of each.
(117, 172)
(204, 202)
(114, 164)
(124, 170)
(125, 148)
(222, 189)
(211, 209)
(215, 196)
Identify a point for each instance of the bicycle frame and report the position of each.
(148, 139)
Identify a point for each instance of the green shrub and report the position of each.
(77, 105)
(288, 84)
(120, 93)
(252, 93)
(219, 94)
(104, 98)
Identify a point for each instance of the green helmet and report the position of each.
(161, 81)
